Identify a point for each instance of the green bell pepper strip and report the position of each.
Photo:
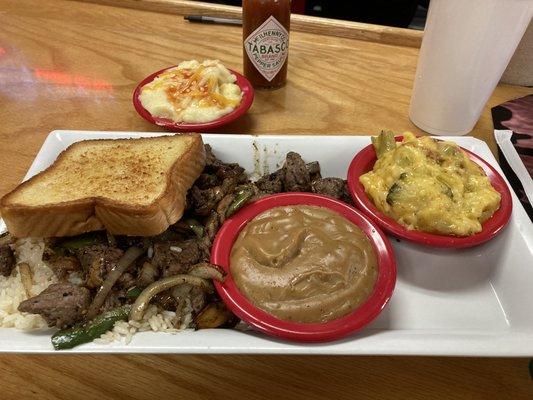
(87, 332)
(240, 200)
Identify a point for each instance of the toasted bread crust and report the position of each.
(97, 213)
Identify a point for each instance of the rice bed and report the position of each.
(12, 293)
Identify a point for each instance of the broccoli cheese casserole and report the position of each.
(192, 92)
(429, 185)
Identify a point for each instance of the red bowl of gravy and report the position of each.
(304, 267)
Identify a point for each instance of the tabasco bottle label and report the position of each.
(267, 47)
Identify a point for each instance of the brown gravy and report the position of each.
(304, 264)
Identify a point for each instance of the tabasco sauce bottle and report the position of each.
(266, 26)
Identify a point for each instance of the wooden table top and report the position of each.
(72, 65)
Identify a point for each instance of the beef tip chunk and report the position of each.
(88, 254)
(61, 304)
(210, 159)
(314, 171)
(206, 181)
(221, 169)
(272, 183)
(176, 258)
(231, 171)
(7, 260)
(297, 177)
(203, 201)
(313, 167)
(61, 264)
(96, 261)
(333, 187)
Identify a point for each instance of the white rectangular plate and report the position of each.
(473, 302)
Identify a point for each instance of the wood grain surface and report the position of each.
(73, 65)
(299, 23)
(262, 377)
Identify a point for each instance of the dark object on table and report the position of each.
(397, 13)
(517, 115)
(206, 19)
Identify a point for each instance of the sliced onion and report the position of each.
(207, 271)
(26, 278)
(122, 265)
(147, 274)
(181, 291)
(140, 305)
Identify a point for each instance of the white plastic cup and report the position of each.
(466, 47)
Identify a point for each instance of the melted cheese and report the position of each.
(431, 186)
(192, 92)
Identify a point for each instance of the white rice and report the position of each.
(12, 292)
(153, 320)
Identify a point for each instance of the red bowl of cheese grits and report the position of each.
(241, 108)
(247, 309)
(364, 161)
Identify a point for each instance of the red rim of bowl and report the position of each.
(364, 162)
(304, 332)
(246, 102)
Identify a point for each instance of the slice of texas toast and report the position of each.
(127, 186)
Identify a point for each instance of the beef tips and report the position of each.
(314, 170)
(173, 259)
(7, 260)
(272, 183)
(297, 178)
(96, 261)
(333, 187)
(61, 304)
(231, 171)
(203, 201)
(210, 159)
(61, 264)
(206, 181)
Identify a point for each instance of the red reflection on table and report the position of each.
(67, 79)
